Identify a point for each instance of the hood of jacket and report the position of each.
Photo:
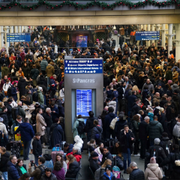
(112, 115)
(153, 123)
(153, 166)
(25, 125)
(105, 174)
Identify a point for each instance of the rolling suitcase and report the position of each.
(56, 150)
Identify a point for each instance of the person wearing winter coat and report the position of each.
(22, 86)
(149, 85)
(96, 132)
(40, 95)
(49, 70)
(37, 148)
(136, 173)
(89, 125)
(54, 112)
(176, 130)
(94, 162)
(108, 175)
(155, 130)
(100, 172)
(73, 165)
(107, 121)
(44, 64)
(75, 127)
(12, 171)
(126, 141)
(48, 175)
(34, 74)
(59, 171)
(27, 133)
(3, 127)
(6, 86)
(68, 148)
(3, 163)
(106, 155)
(14, 91)
(40, 122)
(57, 133)
(153, 171)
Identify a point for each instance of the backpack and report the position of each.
(35, 96)
(42, 171)
(113, 123)
(81, 127)
(116, 172)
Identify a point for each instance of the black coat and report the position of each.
(57, 135)
(4, 161)
(96, 130)
(89, 124)
(73, 170)
(119, 126)
(19, 170)
(143, 130)
(94, 164)
(137, 174)
(125, 140)
(107, 156)
(5, 118)
(37, 148)
(48, 119)
(22, 86)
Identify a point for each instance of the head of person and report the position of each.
(71, 158)
(107, 162)
(108, 170)
(75, 150)
(10, 100)
(95, 122)
(15, 84)
(41, 160)
(39, 110)
(20, 162)
(148, 81)
(155, 118)
(2, 150)
(26, 120)
(66, 146)
(126, 128)
(110, 109)
(133, 165)
(48, 172)
(147, 119)
(48, 110)
(153, 160)
(178, 118)
(25, 176)
(38, 136)
(13, 159)
(105, 150)
(157, 141)
(94, 155)
(91, 113)
(58, 166)
(59, 158)
(19, 118)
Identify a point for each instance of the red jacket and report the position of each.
(77, 156)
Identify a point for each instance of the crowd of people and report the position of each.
(141, 115)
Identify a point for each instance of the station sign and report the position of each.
(18, 37)
(147, 35)
(78, 66)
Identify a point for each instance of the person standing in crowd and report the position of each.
(126, 139)
(136, 172)
(27, 133)
(108, 175)
(48, 175)
(94, 162)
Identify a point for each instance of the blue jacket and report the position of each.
(69, 150)
(107, 121)
(14, 93)
(12, 171)
(106, 177)
(27, 132)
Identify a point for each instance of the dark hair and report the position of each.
(126, 126)
(11, 157)
(79, 116)
(96, 122)
(58, 166)
(42, 160)
(37, 134)
(66, 145)
(111, 109)
(18, 161)
(91, 113)
(26, 120)
(92, 141)
(24, 176)
(10, 100)
(60, 156)
(47, 170)
(38, 109)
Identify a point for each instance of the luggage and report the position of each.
(116, 172)
(16, 147)
(18, 135)
(56, 150)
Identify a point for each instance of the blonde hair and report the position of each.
(135, 88)
(107, 162)
(71, 158)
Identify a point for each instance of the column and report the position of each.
(148, 29)
(1, 37)
(19, 29)
(170, 35)
(177, 42)
(16, 29)
(11, 29)
(153, 29)
(163, 35)
(157, 29)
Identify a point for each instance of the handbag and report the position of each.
(43, 128)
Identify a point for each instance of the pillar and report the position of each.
(16, 29)
(177, 42)
(153, 29)
(11, 29)
(1, 37)
(19, 29)
(163, 35)
(148, 29)
(170, 34)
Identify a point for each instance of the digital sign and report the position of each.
(147, 35)
(83, 102)
(78, 66)
(18, 37)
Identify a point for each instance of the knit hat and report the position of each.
(152, 160)
(157, 141)
(108, 167)
(94, 154)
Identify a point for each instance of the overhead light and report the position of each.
(114, 27)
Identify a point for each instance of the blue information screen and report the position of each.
(147, 35)
(81, 66)
(18, 37)
(83, 102)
